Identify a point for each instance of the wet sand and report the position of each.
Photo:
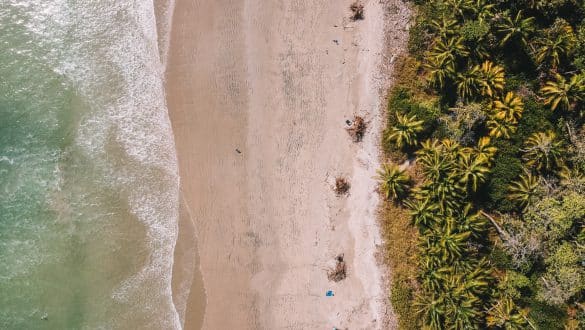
(258, 93)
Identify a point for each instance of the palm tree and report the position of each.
(461, 303)
(505, 315)
(460, 7)
(405, 130)
(423, 212)
(560, 41)
(444, 27)
(550, 50)
(433, 272)
(449, 48)
(525, 189)
(509, 108)
(394, 181)
(490, 77)
(472, 222)
(439, 70)
(478, 277)
(485, 150)
(516, 28)
(447, 194)
(571, 177)
(467, 84)
(428, 148)
(448, 242)
(483, 10)
(435, 166)
(543, 151)
(471, 170)
(450, 147)
(463, 313)
(498, 128)
(463, 266)
(564, 93)
(432, 308)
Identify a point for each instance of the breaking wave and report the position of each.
(88, 169)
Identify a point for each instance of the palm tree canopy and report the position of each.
(505, 315)
(423, 212)
(525, 189)
(449, 48)
(394, 181)
(405, 130)
(485, 150)
(468, 84)
(562, 93)
(471, 170)
(501, 128)
(445, 27)
(543, 151)
(490, 76)
(439, 69)
(560, 40)
(509, 108)
(516, 28)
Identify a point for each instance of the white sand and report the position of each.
(266, 78)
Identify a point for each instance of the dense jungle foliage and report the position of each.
(486, 158)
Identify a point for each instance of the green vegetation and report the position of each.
(394, 182)
(488, 106)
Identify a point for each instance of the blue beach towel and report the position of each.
(329, 293)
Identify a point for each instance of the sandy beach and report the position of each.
(259, 93)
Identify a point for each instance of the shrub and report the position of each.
(401, 100)
(513, 284)
(475, 31)
(545, 316)
(564, 277)
(550, 8)
(500, 258)
(535, 118)
(407, 76)
(579, 60)
(402, 298)
(553, 218)
(461, 124)
(400, 240)
(506, 169)
(418, 39)
(517, 82)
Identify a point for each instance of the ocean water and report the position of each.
(88, 173)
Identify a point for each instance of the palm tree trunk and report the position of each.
(502, 233)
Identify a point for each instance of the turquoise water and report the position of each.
(88, 176)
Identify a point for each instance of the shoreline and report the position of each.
(267, 222)
(188, 291)
(369, 157)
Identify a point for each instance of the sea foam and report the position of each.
(107, 54)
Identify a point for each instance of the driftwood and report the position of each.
(339, 273)
(357, 128)
(357, 11)
(341, 186)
